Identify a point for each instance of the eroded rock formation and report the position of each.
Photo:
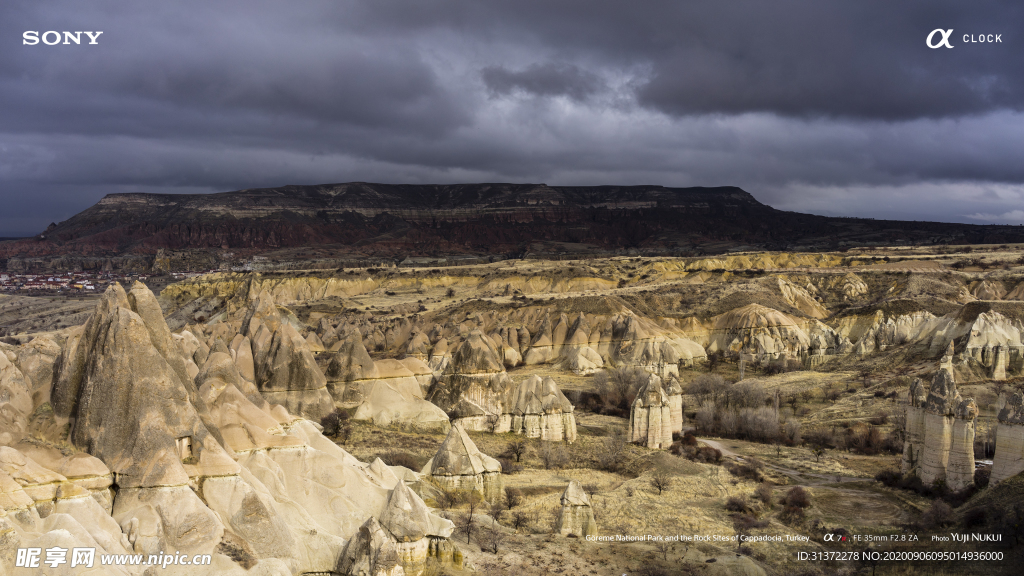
(939, 445)
(577, 515)
(656, 413)
(1009, 457)
(460, 465)
(385, 392)
(204, 465)
(536, 408)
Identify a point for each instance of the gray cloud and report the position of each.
(809, 106)
(547, 79)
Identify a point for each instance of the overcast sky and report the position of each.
(823, 107)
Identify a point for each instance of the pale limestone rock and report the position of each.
(999, 363)
(475, 384)
(387, 392)
(371, 552)
(287, 374)
(939, 444)
(1009, 457)
(538, 409)
(459, 465)
(408, 528)
(129, 406)
(242, 349)
(577, 515)
(765, 333)
(651, 420)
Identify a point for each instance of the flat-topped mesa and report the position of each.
(538, 409)
(577, 516)
(652, 419)
(1009, 457)
(460, 465)
(939, 444)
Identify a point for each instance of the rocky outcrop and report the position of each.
(203, 466)
(475, 384)
(653, 419)
(459, 465)
(386, 392)
(577, 515)
(1009, 456)
(402, 541)
(767, 334)
(939, 444)
(536, 408)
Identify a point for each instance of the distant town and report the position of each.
(65, 283)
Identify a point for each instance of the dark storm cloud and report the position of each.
(548, 79)
(809, 105)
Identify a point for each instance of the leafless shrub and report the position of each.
(520, 519)
(618, 386)
(706, 418)
(938, 515)
(492, 538)
(792, 432)
(738, 504)
(706, 387)
(516, 449)
(512, 498)
(661, 481)
(553, 455)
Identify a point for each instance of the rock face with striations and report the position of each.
(577, 515)
(459, 465)
(474, 385)
(286, 372)
(385, 392)
(538, 409)
(939, 446)
(652, 419)
(1009, 457)
(401, 541)
(201, 466)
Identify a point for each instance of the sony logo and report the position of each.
(51, 37)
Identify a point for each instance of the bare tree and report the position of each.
(553, 455)
(706, 387)
(706, 418)
(446, 499)
(513, 497)
(467, 522)
(614, 452)
(520, 519)
(516, 448)
(618, 386)
(661, 481)
(807, 395)
(493, 537)
(492, 423)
